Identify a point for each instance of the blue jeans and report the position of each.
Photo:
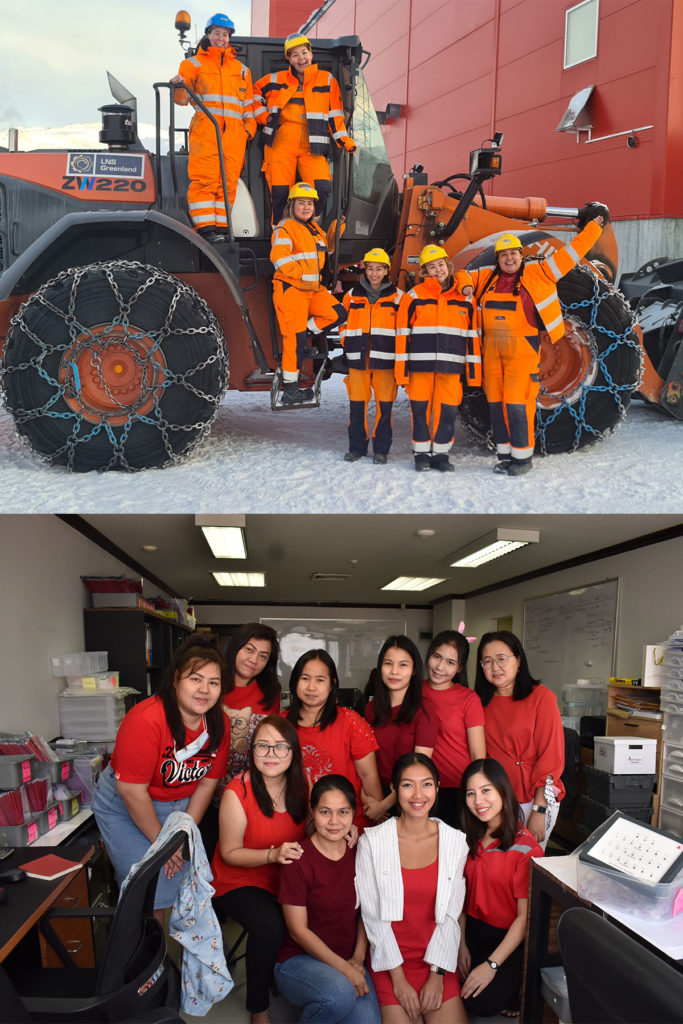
(324, 994)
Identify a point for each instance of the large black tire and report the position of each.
(600, 320)
(114, 366)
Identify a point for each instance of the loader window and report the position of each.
(371, 167)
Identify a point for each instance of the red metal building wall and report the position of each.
(463, 68)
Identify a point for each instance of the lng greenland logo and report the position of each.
(106, 164)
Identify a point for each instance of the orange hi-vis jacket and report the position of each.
(322, 101)
(298, 253)
(436, 331)
(540, 279)
(369, 334)
(224, 85)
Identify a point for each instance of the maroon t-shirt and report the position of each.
(326, 888)
(397, 738)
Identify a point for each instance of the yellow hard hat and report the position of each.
(432, 252)
(302, 190)
(507, 242)
(377, 256)
(296, 40)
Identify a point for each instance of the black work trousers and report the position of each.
(259, 912)
(503, 992)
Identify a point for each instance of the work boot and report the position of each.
(211, 235)
(518, 467)
(353, 456)
(292, 394)
(442, 463)
(379, 459)
(503, 464)
(423, 463)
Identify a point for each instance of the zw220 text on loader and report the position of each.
(122, 328)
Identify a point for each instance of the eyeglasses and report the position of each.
(501, 661)
(263, 749)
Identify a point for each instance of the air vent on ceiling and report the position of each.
(331, 577)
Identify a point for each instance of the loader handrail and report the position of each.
(171, 145)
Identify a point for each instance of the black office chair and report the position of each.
(136, 980)
(611, 978)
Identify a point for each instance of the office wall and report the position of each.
(650, 603)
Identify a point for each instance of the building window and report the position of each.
(581, 33)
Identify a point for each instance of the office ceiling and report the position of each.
(374, 549)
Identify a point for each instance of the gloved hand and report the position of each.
(349, 145)
(590, 211)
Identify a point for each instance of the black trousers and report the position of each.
(502, 993)
(259, 912)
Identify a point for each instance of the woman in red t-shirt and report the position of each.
(333, 739)
(395, 711)
(170, 751)
(262, 822)
(460, 716)
(321, 966)
(493, 923)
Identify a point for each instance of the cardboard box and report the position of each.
(625, 755)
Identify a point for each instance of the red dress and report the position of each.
(413, 934)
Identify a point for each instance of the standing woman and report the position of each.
(409, 875)
(321, 967)
(523, 729)
(395, 710)
(333, 739)
(493, 924)
(457, 710)
(437, 348)
(170, 751)
(224, 85)
(262, 822)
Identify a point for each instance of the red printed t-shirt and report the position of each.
(244, 709)
(144, 753)
(456, 710)
(326, 888)
(497, 878)
(398, 738)
(527, 737)
(260, 834)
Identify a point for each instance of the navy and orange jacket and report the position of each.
(322, 101)
(540, 279)
(436, 331)
(369, 334)
(224, 85)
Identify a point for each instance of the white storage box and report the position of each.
(92, 714)
(84, 663)
(624, 755)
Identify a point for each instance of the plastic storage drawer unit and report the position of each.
(672, 792)
(91, 715)
(672, 727)
(621, 791)
(671, 822)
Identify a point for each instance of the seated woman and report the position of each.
(261, 824)
(409, 875)
(493, 923)
(321, 965)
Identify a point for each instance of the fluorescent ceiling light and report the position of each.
(226, 541)
(240, 579)
(411, 583)
(491, 545)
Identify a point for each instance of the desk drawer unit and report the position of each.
(76, 934)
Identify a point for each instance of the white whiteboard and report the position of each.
(572, 634)
(353, 644)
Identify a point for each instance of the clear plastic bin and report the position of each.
(584, 700)
(612, 889)
(85, 774)
(672, 757)
(96, 681)
(671, 821)
(672, 727)
(92, 714)
(84, 663)
(56, 771)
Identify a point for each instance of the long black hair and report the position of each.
(524, 683)
(198, 650)
(329, 712)
(475, 829)
(452, 638)
(412, 700)
(296, 786)
(267, 679)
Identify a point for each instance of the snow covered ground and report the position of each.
(259, 461)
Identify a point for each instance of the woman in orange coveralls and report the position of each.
(517, 300)
(437, 344)
(301, 111)
(298, 253)
(224, 85)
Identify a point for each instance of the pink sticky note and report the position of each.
(32, 832)
(25, 771)
(52, 817)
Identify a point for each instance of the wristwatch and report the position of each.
(492, 964)
(437, 970)
(541, 808)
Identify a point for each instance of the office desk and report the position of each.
(553, 881)
(27, 901)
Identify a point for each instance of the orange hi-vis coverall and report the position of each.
(224, 85)
(437, 344)
(300, 120)
(369, 340)
(298, 254)
(513, 311)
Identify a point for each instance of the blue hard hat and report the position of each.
(220, 21)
